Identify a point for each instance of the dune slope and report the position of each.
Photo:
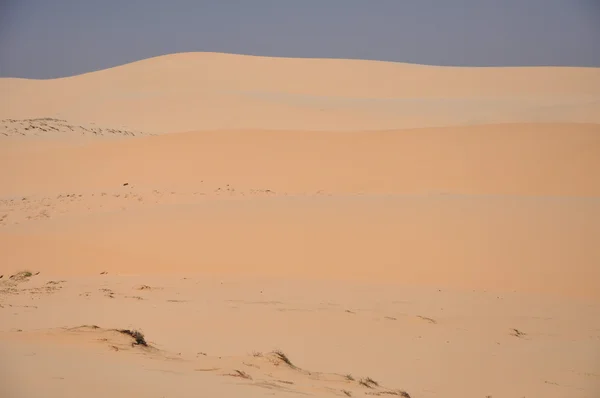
(505, 206)
(521, 159)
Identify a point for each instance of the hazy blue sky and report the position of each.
(52, 38)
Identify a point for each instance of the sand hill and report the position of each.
(200, 91)
(300, 226)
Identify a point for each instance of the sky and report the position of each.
(56, 38)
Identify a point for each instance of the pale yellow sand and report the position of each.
(453, 254)
(193, 91)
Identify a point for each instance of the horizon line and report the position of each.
(308, 59)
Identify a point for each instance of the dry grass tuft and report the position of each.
(136, 335)
(280, 355)
(430, 320)
(368, 382)
(241, 374)
(399, 393)
(518, 333)
(21, 276)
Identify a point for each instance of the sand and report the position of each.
(391, 229)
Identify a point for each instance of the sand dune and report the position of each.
(434, 229)
(194, 91)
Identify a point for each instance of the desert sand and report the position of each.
(285, 227)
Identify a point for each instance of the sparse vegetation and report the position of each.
(517, 333)
(241, 373)
(42, 126)
(21, 275)
(430, 320)
(280, 355)
(263, 373)
(399, 393)
(136, 335)
(371, 381)
(368, 382)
